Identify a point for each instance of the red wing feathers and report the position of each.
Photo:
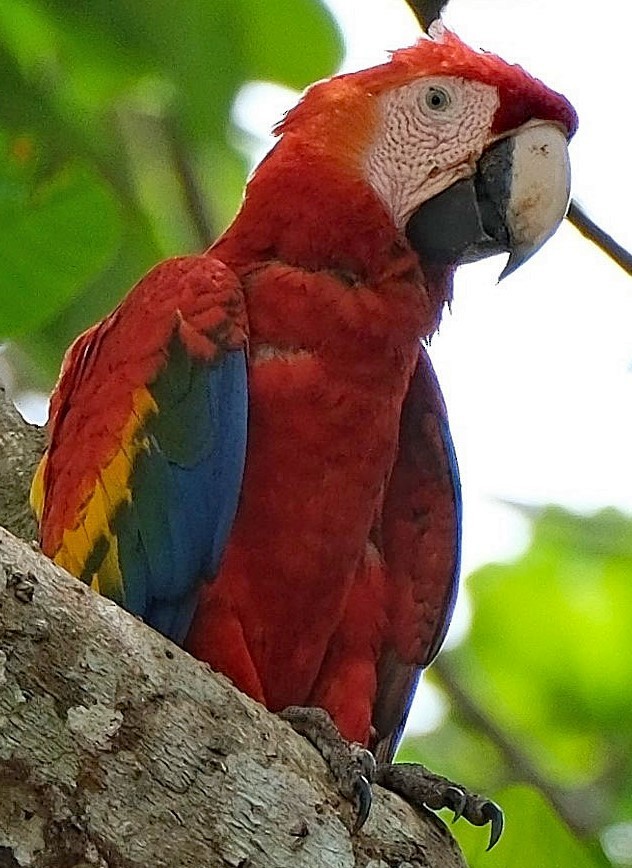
(421, 536)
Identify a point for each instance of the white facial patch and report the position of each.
(432, 133)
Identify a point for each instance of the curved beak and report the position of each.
(513, 203)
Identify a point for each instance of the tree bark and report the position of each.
(119, 750)
(21, 447)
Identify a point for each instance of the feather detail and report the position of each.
(36, 494)
(139, 487)
(421, 542)
(76, 551)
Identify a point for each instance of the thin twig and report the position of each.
(589, 229)
(196, 201)
(427, 11)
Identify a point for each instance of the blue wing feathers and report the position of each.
(229, 401)
(185, 488)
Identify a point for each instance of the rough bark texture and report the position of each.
(21, 447)
(119, 750)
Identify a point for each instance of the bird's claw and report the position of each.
(363, 801)
(496, 818)
(419, 786)
(456, 801)
(355, 770)
(352, 765)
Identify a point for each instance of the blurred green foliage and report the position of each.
(541, 694)
(116, 151)
(116, 147)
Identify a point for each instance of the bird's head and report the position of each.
(467, 153)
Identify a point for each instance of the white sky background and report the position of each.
(536, 371)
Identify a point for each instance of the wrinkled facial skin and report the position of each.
(432, 133)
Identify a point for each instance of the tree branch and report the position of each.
(427, 11)
(21, 447)
(119, 750)
(194, 197)
(606, 243)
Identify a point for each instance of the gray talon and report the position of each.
(351, 764)
(419, 786)
(456, 800)
(495, 816)
(364, 800)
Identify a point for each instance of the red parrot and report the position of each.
(252, 451)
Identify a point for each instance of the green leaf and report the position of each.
(51, 244)
(136, 254)
(550, 652)
(296, 45)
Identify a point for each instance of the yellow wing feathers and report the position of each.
(91, 525)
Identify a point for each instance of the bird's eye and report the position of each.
(437, 99)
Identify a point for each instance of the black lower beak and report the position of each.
(513, 203)
(468, 221)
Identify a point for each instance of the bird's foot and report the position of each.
(351, 764)
(354, 770)
(419, 786)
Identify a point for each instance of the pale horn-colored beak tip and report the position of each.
(539, 190)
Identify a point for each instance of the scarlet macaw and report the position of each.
(252, 451)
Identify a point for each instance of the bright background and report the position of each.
(108, 120)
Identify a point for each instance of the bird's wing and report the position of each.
(138, 489)
(421, 543)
